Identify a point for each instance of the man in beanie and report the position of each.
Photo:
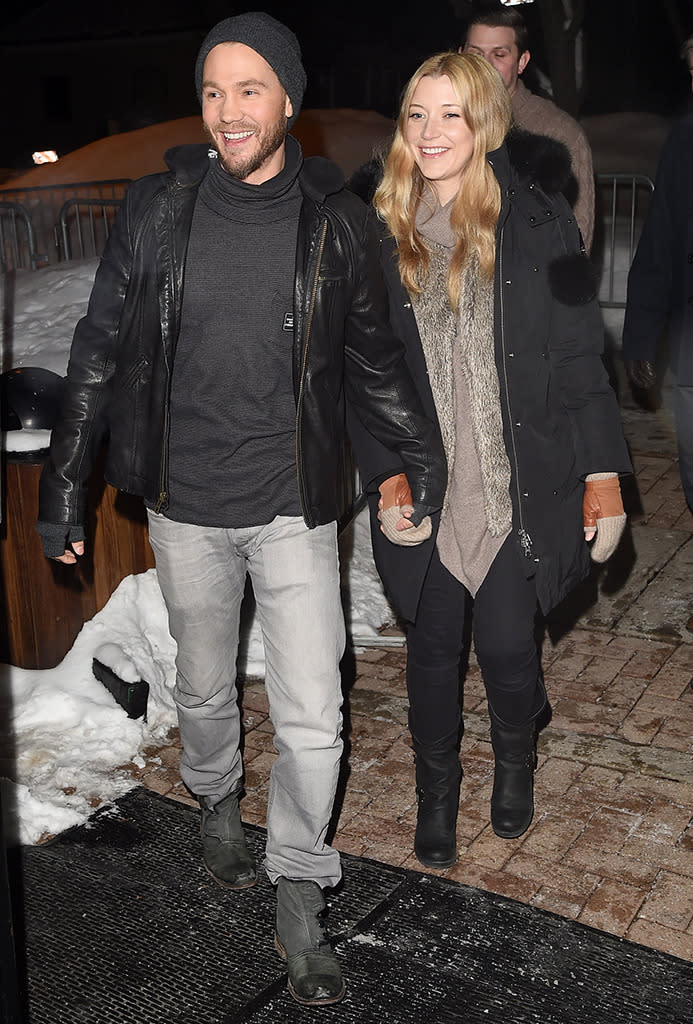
(238, 307)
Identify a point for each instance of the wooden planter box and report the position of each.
(46, 603)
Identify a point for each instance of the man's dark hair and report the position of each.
(503, 17)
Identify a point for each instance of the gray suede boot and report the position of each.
(315, 977)
(224, 850)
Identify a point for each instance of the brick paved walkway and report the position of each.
(611, 844)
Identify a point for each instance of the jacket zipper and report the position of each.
(309, 323)
(162, 500)
(524, 537)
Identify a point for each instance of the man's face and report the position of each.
(499, 48)
(244, 110)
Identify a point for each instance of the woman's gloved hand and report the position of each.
(397, 513)
(602, 513)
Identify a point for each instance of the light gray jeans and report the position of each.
(295, 577)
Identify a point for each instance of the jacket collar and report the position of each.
(318, 177)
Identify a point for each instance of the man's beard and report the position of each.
(268, 139)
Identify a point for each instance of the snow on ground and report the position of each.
(64, 735)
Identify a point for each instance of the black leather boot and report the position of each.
(515, 752)
(512, 800)
(438, 775)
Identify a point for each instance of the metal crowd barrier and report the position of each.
(17, 238)
(44, 204)
(85, 225)
(622, 204)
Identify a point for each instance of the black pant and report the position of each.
(504, 615)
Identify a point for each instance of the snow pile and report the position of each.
(66, 737)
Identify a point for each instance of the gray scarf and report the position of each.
(472, 330)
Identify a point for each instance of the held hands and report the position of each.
(396, 513)
(602, 513)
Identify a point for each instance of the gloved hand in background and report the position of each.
(400, 520)
(641, 373)
(602, 513)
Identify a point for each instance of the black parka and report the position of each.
(560, 415)
(120, 367)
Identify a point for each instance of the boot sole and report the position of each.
(447, 863)
(325, 1001)
(227, 885)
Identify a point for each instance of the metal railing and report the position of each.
(85, 225)
(44, 203)
(622, 204)
(17, 238)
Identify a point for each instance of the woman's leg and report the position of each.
(505, 610)
(434, 647)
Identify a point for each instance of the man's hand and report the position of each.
(61, 542)
(641, 373)
(71, 554)
(396, 510)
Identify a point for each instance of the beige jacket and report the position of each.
(535, 114)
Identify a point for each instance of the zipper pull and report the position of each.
(525, 542)
(163, 500)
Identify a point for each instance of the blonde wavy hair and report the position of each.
(485, 106)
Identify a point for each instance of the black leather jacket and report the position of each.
(119, 374)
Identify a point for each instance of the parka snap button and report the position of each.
(535, 269)
(536, 559)
(511, 355)
(532, 219)
(508, 282)
(548, 212)
(690, 257)
(525, 494)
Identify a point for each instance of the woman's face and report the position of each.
(438, 136)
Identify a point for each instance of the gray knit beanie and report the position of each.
(268, 37)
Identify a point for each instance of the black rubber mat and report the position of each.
(120, 923)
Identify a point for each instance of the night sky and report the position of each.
(631, 49)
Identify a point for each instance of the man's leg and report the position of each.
(202, 579)
(295, 574)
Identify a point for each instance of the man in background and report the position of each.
(660, 287)
(501, 37)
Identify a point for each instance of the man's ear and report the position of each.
(288, 109)
(523, 61)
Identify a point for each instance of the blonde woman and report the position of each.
(493, 297)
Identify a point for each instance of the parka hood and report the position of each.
(538, 158)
